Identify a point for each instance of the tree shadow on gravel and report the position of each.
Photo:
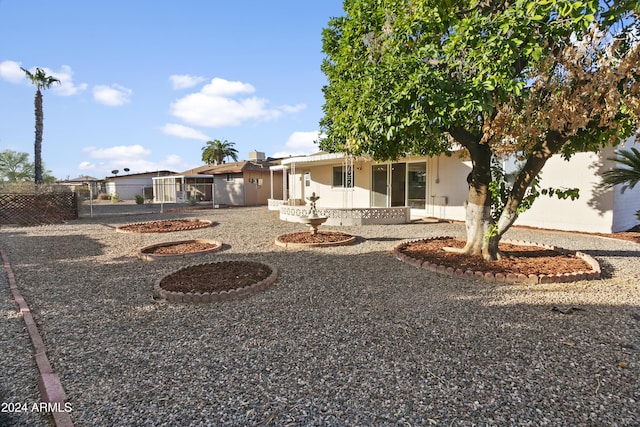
(356, 338)
(63, 247)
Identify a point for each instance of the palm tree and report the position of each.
(216, 151)
(628, 176)
(42, 81)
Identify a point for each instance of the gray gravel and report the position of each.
(347, 335)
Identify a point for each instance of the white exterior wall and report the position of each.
(447, 192)
(625, 206)
(127, 188)
(447, 188)
(591, 212)
(337, 197)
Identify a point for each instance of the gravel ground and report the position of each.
(347, 335)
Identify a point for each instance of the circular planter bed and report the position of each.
(216, 281)
(164, 226)
(178, 249)
(522, 261)
(320, 239)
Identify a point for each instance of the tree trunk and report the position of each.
(37, 151)
(478, 219)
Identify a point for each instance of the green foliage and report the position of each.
(216, 151)
(627, 176)
(192, 201)
(115, 197)
(402, 73)
(15, 167)
(139, 199)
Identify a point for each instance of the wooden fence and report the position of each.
(37, 209)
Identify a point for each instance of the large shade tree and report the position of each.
(42, 81)
(216, 151)
(15, 167)
(491, 78)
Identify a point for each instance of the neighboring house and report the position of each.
(357, 190)
(244, 183)
(180, 187)
(128, 186)
(94, 186)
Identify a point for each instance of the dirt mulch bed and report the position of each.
(216, 277)
(518, 259)
(180, 248)
(165, 226)
(320, 237)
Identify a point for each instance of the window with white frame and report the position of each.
(342, 177)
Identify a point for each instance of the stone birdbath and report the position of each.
(313, 220)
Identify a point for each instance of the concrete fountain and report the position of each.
(313, 220)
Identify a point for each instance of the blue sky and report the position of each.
(146, 83)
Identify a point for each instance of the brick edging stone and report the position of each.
(49, 384)
(346, 241)
(140, 253)
(208, 297)
(204, 224)
(595, 272)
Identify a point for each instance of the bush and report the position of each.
(192, 201)
(103, 196)
(139, 199)
(115, 197)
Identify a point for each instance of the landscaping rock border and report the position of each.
(595, 273)
(147, 256)
(347, 241)
(208, 297)
(198, 223)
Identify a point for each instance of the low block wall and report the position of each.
(350, 217)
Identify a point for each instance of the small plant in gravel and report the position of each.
(192, 201)
(139, 199)
(115, 197)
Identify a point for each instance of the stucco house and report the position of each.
(243, 183)
(130, 185)
(357, 190)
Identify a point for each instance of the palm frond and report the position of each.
(627, 176)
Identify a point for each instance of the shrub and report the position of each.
(139, 199)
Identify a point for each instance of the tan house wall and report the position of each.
(258, 192)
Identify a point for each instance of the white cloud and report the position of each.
(219, 103)
(133, 157)
(11, 72)
(292, 108)
(66, 87)
(183, 132)
(113, 96)
(221, 87)
(184, 81)
(299, 144)
(118, 152)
